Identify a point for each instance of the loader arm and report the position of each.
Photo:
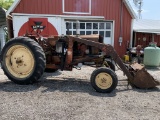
(141, 78)
(109, 50)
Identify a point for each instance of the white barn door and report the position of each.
(105, 29)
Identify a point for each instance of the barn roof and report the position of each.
(147, 26)
(126, 2)
(2, 16)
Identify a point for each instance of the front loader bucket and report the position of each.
(142, 78)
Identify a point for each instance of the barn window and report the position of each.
(82, 26)
(74, 33)
(101, 33)
(70, 25)
(82, 32)
(105, 29)
(95, 25)
(86, 28)
(108, 33)
(108, 26)
(88, 25)
(95, 32)
(88, 32)
(101, 25)
(74, 25)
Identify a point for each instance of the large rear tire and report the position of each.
(23, 60)
(104, 80)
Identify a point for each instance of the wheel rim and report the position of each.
(104, 80)
(19, 61)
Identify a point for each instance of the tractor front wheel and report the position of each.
(23, 60)
(104, 80)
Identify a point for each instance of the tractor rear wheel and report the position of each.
(23, 60)
(104, 80)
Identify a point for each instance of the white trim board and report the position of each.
(63, 16)
(130, 9)
(113, 32)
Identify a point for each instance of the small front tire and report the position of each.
(104, 80)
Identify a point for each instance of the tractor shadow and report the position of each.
(51, 82)
(9, 86)
(72, 85)
(65, 84)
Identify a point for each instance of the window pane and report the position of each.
(70, 26)
(70, 33)
(74, 25)
(82, 32)
(95, 32)
(95, 25)
(89, 25)
(108, 33)
(82, 25)
(74, 32)
(88, 32)
(101, 25)
(101, 33)
(108, 25)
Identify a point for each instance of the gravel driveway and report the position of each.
(69, 96)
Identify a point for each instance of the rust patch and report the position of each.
(144, 80)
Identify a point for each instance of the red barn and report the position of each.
(145, 32)
(110, 18)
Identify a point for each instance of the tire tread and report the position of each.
(39, 56)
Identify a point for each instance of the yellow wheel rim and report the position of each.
(104, 80)
(19, 61)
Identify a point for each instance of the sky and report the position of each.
(151, 9)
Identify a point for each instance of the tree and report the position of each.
(6, 3)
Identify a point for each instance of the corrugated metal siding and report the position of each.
(148, 36)
(110, 9)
